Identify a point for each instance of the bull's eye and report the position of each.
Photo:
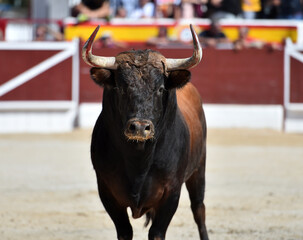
(160, 90)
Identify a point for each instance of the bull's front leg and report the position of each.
(163, 216)
(117, 213)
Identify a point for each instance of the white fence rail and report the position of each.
(49, 111)
(293, 116)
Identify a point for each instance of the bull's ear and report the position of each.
(101, 76)
(177, 79)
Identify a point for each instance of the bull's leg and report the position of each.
(196, 187)
(117, 213)
(163, 216)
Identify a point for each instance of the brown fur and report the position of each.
(190, 104)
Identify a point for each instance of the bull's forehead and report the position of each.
(142, 59)
(140, 70)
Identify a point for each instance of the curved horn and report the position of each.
(96, 61)
(185, 63)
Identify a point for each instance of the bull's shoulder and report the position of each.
(190, 103)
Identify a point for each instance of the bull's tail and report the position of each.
(149, 217)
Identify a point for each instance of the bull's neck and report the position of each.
(138, 158)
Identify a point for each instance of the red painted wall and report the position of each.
(296, 86)
(224, 76)
(53, 84)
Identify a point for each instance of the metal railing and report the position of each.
(291, 51)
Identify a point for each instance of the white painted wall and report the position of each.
(35, 122)
(40, 117)
(294, 120)
(44, 118)
(217, 115)
(88, 114)
(244, 116)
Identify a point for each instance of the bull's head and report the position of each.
(140, 81)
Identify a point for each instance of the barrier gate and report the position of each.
(40, 116)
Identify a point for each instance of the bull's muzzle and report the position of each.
(139, 130)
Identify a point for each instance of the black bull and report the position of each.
(149, 139)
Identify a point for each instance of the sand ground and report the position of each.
(254, 189)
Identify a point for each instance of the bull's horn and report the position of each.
(186, 63)
(96, 61)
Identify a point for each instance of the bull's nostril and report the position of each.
(132, 127)
(147, 128)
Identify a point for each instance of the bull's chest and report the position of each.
(141, 194)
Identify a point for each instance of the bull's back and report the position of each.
(190, 105)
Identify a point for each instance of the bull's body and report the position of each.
(145, 169)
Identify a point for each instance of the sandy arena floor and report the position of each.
(254, 189)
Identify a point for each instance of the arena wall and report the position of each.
(239, 88)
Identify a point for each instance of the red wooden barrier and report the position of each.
(224, 76)
(53, 84)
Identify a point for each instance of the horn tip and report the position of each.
(96, 30)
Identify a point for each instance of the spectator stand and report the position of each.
(139, 31)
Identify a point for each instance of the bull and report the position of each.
(149, 139)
